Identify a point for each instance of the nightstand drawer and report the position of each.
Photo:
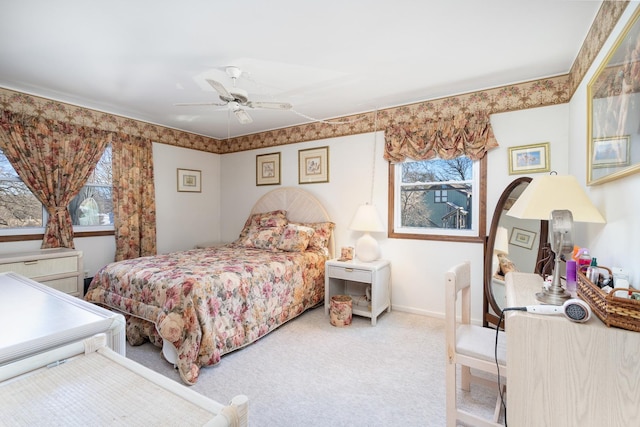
(347, 273)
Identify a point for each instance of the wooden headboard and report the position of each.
(301, 206)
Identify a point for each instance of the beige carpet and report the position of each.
(310, 373)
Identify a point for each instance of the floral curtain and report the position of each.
(54, 159)
(134, 207)
(467, 134)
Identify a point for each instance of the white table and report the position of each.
(562, 373)
(352, 278)
(35, 318)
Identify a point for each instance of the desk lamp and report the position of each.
(561, 200)
(367, 220)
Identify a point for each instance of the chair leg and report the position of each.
(451, 394)
(496, 413)
(465, 378)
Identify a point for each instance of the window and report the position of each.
(438, 199)
(21, 213)
(440, 196)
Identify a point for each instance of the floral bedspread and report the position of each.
(209, 302)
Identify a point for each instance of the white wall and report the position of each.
(185, 219)
(617, 243)
(418, 267)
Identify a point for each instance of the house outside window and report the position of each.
(437, 199)
(91, 210)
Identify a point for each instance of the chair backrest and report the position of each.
(457, 280)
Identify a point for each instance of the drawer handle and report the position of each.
(348, 270)
(35, 261)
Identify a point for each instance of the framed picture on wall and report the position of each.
(522, 238)
(313, 165)
(189, 181)
(529, 158)
(268, 169)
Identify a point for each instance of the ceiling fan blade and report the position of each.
(222, 91)
(270, 105)
(242, 116)
(190, 104)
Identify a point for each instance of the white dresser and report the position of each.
(59, 268)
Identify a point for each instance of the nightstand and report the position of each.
(352, 278)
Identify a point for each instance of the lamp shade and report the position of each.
(547, 193)
(367, 219)
(501, 245)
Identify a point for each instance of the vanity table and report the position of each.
(563, 373)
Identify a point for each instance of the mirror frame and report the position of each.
(489, 299)
(600, 117)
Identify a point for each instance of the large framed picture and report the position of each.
(268, 169)
(613, 108)
(313, 165)
(529, 158)
(189, 180)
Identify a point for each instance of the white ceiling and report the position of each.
(330, 58)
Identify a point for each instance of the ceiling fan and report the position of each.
(236, 98)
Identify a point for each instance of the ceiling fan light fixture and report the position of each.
(233, 72)
(242, 116)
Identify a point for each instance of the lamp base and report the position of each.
(553, 296)
(367, 248)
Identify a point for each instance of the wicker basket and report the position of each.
(613, 311)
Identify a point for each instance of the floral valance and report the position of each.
(467, 134)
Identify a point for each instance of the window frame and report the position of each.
(478, 237)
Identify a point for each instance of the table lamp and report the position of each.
(367, 219)
(561, 200)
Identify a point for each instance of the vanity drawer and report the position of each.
(348, 273)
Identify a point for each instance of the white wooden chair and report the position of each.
(471, 347)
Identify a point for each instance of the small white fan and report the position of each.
(561, 230)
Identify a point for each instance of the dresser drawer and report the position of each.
(42, 267)
(67, 285)
(347, 273)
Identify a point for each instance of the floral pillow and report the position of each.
(321, 236)
(263, 238)
(254, 221)
(295, 238)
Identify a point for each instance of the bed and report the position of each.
(204, 303)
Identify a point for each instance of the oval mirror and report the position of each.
(512, 245)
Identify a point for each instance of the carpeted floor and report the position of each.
(310, 373)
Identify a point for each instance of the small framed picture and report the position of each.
(610, 152)
(313, 165)
(529, 158)
(268, 169)
(522, 238)
(189, 180)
